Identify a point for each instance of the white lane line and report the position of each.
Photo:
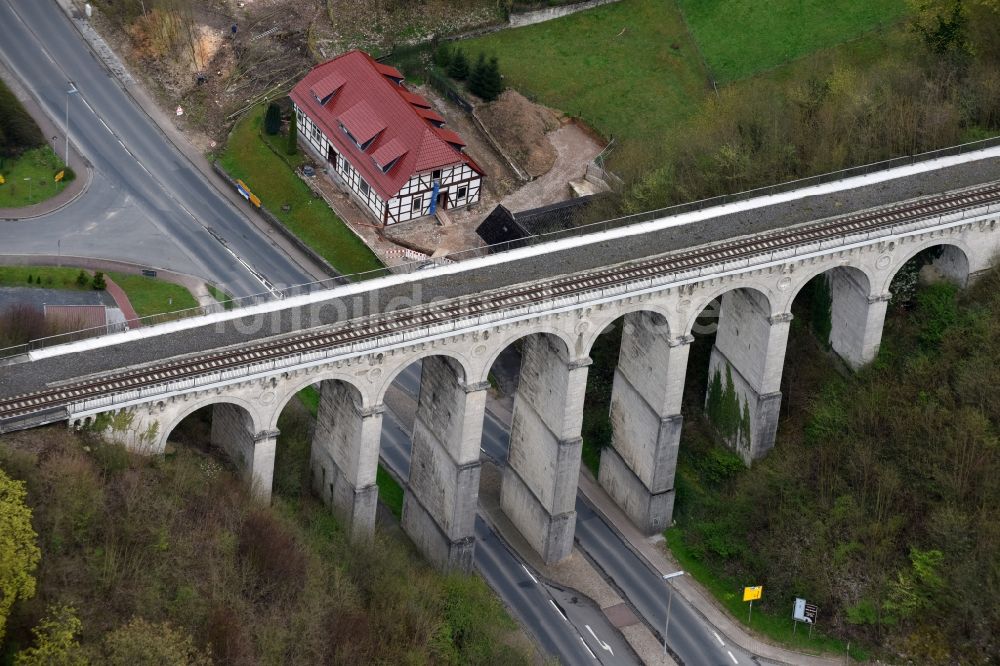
(730, 653)
(533, 579)
(587, 648)
(718, 639)
(558, 610)
(604, 646)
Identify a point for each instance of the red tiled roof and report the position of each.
(327, 86)
(449, 136)
(415, 99)
(430, 114)
(387, 70)
(373, 106)
(362, 122)
(389, 151)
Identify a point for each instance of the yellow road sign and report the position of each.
(59, 176)
(2, 181)
(752, 593)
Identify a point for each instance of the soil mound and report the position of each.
(520, 126)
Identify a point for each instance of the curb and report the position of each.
(207, 172)
(12, 214)
(5, 215)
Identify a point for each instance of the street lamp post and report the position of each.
(29, 189)
(71, 90)
(670, 599)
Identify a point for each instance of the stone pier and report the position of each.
(856, 317)
(252, 452)
(638, 468)
(539, 483)
(744, 372)
(344, 456)
(439, 508)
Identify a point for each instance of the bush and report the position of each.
(81, 279)
(100, 284)
(142, 642)
(68, 175)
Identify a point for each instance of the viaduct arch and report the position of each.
(539, 481)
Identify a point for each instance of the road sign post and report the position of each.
(803, 611)
(750, 594)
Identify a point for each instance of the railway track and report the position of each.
(45, 401)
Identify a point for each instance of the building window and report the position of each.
(364, 188)
(462, 192)
(436, 175)
(416, 204)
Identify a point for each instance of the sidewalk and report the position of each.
(56, 138)
(652, 550)
(125, 305)
(657, 555)
(147, 105)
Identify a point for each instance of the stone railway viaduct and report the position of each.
(555, 299)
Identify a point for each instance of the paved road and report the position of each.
(691, 639)
(574, 631)
(147, 203)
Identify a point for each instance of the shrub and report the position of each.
(68, 175)
(142, 642)
(82, 279)
(273, 553)
(100, 284)
(55, 641)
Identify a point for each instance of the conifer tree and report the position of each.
(458, 68)
(477, 79)
(272, 119)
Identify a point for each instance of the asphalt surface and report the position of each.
(147, 203)
(691, 639)
(565, 626)
(26, 377)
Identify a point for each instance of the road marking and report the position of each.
(730, 653)
(604, 646)
(559, 610)
(587, 648)
(718, 639)
(533, 579)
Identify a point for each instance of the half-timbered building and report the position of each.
(386, 143)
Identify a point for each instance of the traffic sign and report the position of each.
(752, 593)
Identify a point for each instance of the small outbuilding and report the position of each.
(506, 230)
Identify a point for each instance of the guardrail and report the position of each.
(454, 325)
(596, 227)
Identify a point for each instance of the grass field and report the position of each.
(52, 277)
(629, 69)
(38, 164)
(269, 177)
(147, 295)
(741, 37)
(150, 296)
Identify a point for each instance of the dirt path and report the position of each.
(574, 150)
